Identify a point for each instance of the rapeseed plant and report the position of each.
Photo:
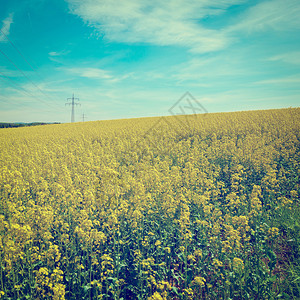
(98, 210)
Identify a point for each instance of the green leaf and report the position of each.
(175, 290)
(273, 259)
(87, 287)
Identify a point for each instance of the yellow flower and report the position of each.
(157, 243)
(44, 271)
(200, 281)
(237, 264)
(191, 258)
(217, 263)
(156, 296)
(167, 249)
(198, 253)
(58, 291)
(273, 232)
(189, 292)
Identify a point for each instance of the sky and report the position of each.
(138, 58)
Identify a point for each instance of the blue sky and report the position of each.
(136, 58)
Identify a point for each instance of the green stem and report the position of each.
(1, 274)
(185, 264)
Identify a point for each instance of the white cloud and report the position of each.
(59, 53)
(282, 80)
(278, 15)
(178, 22)
(6, 23)
(164, 23)
(97, 73)
(93, 73)
(53, 53)
(290, 57)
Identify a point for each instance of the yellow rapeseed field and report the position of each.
(190, 207)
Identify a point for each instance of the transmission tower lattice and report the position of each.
(73, 103)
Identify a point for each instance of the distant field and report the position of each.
(190, 207)
(12, 125)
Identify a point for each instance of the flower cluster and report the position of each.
(99, 210)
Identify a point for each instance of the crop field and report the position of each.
(186, 207)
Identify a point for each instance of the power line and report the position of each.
(24, 74)
(28, 63)
(73, 103)
(22, 90)
(26, 60)
(14, 84)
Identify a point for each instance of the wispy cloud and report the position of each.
(179, 22)
(56, 56)
(92, 73)
(163, 23)
(59, 53)
(290, 57)
(278, 15)
(96, 73)
(6, 23)
(283, 80)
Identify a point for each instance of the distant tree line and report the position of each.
(11, 125)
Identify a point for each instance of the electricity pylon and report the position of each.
(73, 103)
